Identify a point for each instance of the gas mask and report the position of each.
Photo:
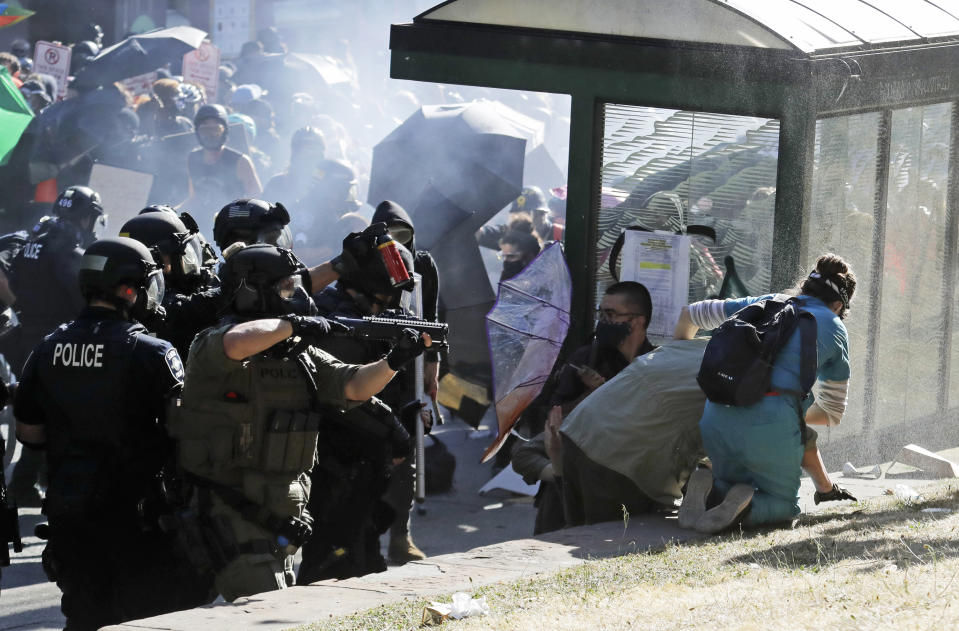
(291, 297)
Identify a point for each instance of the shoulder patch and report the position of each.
(174, 363)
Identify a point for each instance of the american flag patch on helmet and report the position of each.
(238, 211)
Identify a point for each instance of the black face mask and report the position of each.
(211, 140)
(511, 269)
(610, 334)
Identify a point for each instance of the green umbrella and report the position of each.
(15, 115)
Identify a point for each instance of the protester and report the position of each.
(517, 250)
(757, 451)
(624, 314)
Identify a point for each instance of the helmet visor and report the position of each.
(191, 258)
(279, 236)
(100, 226)
(155, 288)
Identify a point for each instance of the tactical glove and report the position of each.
(358, 249)
(407, 348)
(313, 328)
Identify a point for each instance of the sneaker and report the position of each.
(835, 494)
(729, 511)
(694, 502)
(402, 550)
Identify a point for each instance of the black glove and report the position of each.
(835, 494)
(314, 328)
(410, 416)
(358, 249)
(407, 348)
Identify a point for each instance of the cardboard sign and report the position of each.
(123, 192)
(53, 59)
(140, 84)
(202, 67)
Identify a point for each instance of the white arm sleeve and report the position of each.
(831, 397)
(707, 314)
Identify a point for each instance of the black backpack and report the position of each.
(738, 361)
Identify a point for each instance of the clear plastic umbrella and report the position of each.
(526, 328)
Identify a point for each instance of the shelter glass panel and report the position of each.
(670, 170)
(912, 326)
(842, 221)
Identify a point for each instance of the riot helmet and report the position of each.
(81, 208)
(212, 126)
(262, 280)
(176, 248)
(252, 221)
(208, 258)
(109, 263)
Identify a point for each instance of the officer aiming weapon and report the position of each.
(390, 329)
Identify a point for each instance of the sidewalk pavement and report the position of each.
(464, 571)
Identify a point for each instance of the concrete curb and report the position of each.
(443, 574)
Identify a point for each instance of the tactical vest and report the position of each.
(251, 428)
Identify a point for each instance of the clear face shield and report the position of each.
(154, 290)
(99, 227)
(191, 257)
(279, 236)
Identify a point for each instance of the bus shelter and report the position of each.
(792, 127)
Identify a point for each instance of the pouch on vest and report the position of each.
(274, 449)
(295, 443)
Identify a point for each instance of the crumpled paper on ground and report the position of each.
(463, 606)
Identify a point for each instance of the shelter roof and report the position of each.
(807, 26)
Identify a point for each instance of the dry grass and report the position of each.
(879, 564)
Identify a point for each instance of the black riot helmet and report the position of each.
(111, 262)
(374, 286)
(208, 259)
(252, 221)
(265, 280)
(211, 126)
(80, 207)
(169, 237)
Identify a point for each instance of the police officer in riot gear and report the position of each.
(352, 473)
(191, 303)
(257, 395)
(93, 395)
(252, 221)
(210, 259)
(43, 280)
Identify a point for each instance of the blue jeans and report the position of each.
(758, 445)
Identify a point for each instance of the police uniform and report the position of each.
(99, 386)
(247, 433)
(44, 280)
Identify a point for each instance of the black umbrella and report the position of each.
(469, 152)
(139, 54)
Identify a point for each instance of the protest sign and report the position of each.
(140, 84)
(53, 59)
(202, 67)
(660, 261)
(123, 192)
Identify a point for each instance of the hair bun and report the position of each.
(831, 265)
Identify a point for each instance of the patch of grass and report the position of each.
(874, 563)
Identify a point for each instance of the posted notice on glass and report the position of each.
(660, 261)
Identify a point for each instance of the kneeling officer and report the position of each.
(250, 415)
(93, 394)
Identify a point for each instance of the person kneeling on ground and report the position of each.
(624, 313)
(757, 451)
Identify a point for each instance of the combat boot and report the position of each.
(402, 550)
